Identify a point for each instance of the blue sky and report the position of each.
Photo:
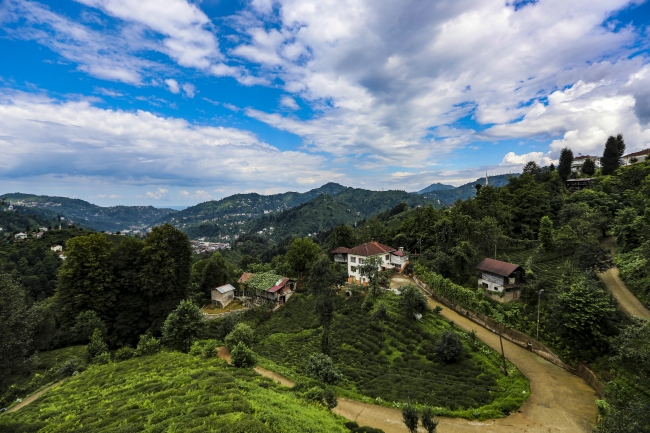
(174, 102)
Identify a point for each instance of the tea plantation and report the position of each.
(392, 360)
(170, 392)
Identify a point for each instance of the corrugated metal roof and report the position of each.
(280, 284)
(225, 288)
(497, 267)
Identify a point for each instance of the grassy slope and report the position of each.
(391, 362)
(170, 392)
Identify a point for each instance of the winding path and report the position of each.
(31, 398)
(559, 401)
(626, 299)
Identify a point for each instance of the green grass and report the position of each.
(392, 362)
(170, 392)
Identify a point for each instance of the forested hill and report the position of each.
(326, 212)
(225, 218)
(444, 196)
(113, 218)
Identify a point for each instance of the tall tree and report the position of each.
(15, 328)
(321, 281)
(545, 234)
(86, 279)
(341, 236)
(165, 275)
(183, 326)
(564, 166)
(588, 167)
(614, 151)
(302, 253)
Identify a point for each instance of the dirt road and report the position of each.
(626, 299)
(31, 398)
(559, 401)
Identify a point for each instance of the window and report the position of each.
(387, 257)
(353, 268)
(361, 261)
(512, 281)
(485, 285)
(353, 259)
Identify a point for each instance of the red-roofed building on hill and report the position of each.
(499, 280)
(391, 258)
(639, 156)
(277, 289)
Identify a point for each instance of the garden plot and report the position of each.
(392, 361)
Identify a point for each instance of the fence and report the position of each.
(518, 338)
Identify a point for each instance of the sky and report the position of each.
(175, 102)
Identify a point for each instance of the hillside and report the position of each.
(436, 187)
(80, 212)
(326, 212)
(171, 392)
(445, 196)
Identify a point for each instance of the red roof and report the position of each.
(398, 253)
(366, 250)
(245, 277)
(497, 267)
(283, 282)
(639, 153)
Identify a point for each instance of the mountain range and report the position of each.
(274, 216)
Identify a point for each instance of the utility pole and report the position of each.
(539, 296)
(503, 355)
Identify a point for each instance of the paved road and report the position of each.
(626, 299)
(559, 401)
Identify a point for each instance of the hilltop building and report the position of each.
(631, 158)
(391, 259)
(222, 295)
(499, 280)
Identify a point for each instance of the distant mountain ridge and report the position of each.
(463, 192)
(112, 218)
(436, 187)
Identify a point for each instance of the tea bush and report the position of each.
(391, 361)
(171, 391)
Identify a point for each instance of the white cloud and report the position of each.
(518, 161)
(387, 79)
(160, 193)
(289, 102)
(46, 137)
(189, 90)
(172, 85)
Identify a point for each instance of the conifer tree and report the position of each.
(566, 159)
(614, 150)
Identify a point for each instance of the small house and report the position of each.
(267, 285)
(578, 184)
(222, 295)
(499, 280)
(578, 161)
(56, 248)
(39, 235)
(631, 158)
(20, 235)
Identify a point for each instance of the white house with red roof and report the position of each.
(391, 258)
(633, 157)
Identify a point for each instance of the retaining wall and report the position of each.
(519, 338)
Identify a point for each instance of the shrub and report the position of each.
(70, 367)
(410, 417)
(449, 348)
(210, 349)
(196, 349)
(183, 326)
(97, 346)
(148, 345)
(85, 325)
(428, 421)
(226, 326)
(412, 301)
(321, 368)
(242, 356)
(329, 398)
(382, 313)
(102, 359)
(241, 334)
(124, 353)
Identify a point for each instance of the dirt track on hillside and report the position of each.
(31, 398)
(626, 299)
(559, 401)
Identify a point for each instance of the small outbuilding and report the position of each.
(222, 295)
(499, 280)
